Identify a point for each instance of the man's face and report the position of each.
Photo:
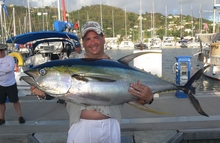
(94, 44)
(2, 53)
(78, 49)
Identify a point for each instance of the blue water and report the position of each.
(168, 60)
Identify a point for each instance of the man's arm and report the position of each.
(2, 73)
(10, 66)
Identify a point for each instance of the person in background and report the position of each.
(94, 123)
(78, 51)
(78, 48)
(68, 48)
(8, 86)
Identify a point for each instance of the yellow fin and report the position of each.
(147, 109)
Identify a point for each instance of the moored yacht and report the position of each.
(126, 45)
(210, 55)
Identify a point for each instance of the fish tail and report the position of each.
(190, 91)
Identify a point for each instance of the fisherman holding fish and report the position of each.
(95, 123)
(8, 86)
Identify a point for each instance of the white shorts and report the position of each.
(95, 131)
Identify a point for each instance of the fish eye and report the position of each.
(42, 72)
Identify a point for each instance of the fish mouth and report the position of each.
(31, 73)
(29, 80)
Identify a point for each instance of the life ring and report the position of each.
(19, 58)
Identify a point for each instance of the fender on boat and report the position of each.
(19, 57)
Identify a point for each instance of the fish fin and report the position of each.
(128, 58)
(189, 90)
(195, 77)
(81, 78)
(196, 105)
(94, 76)
(145, 108)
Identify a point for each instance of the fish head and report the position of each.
(54, 80)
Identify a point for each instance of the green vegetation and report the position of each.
(39, 22)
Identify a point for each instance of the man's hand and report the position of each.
(141, 91)
(37, 91)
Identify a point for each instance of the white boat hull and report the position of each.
(213, 72)
(126, 45)
(125, 48)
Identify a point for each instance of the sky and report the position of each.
(186, 7)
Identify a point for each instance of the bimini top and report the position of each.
(209, 37)
(35, 36)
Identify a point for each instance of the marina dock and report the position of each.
(48, 121)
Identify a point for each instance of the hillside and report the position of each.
(108, 12)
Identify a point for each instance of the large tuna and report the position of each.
(101, 82)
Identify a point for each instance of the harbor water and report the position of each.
(168, 60)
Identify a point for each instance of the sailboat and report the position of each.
(144, 62)
(140, 45)
(210, 55)
(111, 42)
(153, 42)
(168, 41)
(126, 43)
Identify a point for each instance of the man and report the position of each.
(97, 124)
(77, 51)
(8, 86)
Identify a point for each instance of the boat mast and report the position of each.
(140, 18)
(87, 16)
(101, 14)
(113, 24)
(125, 24)
(58, 9)
(1, 6)
(192, 20)
(153, 20)
(166, 21)
(151, 31)
(181, 20)
(200, 18)
(214, 15)
(14, 29)
(43, 15)
(29, 17)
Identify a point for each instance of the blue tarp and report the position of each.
(32, 36)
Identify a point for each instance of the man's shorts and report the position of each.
(9, 91)
(95, 131)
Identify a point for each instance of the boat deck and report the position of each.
(48, 121)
